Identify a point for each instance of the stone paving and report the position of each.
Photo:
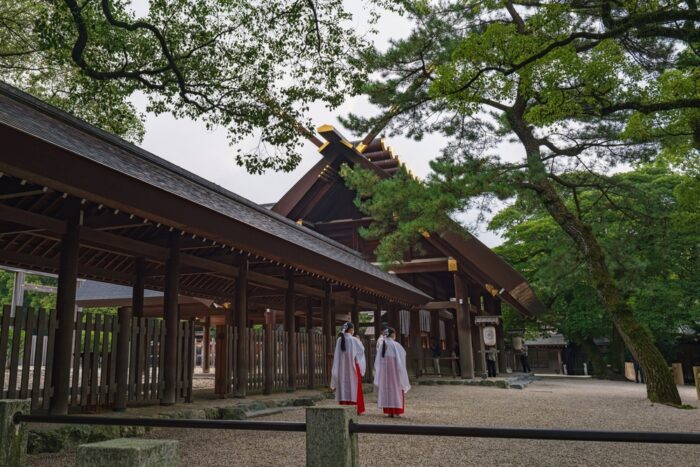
(548, 403)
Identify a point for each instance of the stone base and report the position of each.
(128, 452)
(13, 437)
(329, 442)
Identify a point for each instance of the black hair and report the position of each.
(388, 331)
(346, 326)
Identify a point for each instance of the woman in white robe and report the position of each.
(348, 368)
(390, 375)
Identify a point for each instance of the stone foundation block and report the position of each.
(129, 452)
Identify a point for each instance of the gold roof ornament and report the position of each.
(452, 265)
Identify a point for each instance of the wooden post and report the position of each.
(172, 319)
(206, 345)
(415, 341)
(65, 310)
(355, 313)
(464, 334)
(328, 326)
(139, 287)
(312, 347)
(696, 375)
(377, 321)
(268, 354)
(221, 363)
(289, 323)
(475, 300)
(500, 336)
(242, 326)
(450, 328)
(122, 370)
(395, 319)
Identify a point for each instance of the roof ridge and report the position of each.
(36, 103)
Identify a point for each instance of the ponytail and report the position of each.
(346, 326)
(387, 332)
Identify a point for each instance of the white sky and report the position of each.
(190, 145)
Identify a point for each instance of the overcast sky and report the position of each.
(190, 145)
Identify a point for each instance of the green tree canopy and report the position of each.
(579, 86)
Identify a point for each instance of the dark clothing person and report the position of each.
(437, 352)
(523, 361)
(491, 355)
(638, 374)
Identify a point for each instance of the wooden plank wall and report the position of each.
(27, 343)
(302, 359)
(256, 346)
(279, 383)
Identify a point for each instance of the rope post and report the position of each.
(13, 436)
(329, 442)
(696, 376)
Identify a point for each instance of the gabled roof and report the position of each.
(259, 230)
(484, 265)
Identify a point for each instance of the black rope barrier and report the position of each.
(162, 422)
(529, 433)
(366, 428)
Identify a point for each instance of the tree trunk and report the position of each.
(660, 385)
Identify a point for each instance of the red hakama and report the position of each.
(360, 399)
(396, 410)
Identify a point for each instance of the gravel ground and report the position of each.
(585, 404)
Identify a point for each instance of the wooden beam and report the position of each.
(65, 311)
(289, 309)
(242, 326)
(172, 321)
(139, 287)
(421, 265)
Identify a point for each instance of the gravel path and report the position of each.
(586, 404)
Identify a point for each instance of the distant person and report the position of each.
(523, 360)
(437, 351)
(638, 374)
(455, 355)
(348, 368)
(390, 375)
(491, 355)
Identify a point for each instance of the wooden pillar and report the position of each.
(268, 353)
(122, 370)
(415, 342)
(139, 287)
(206, 345)
(242, 327)
(464, 334)
(395, 319)
(289, 323)
(450, 328)
(172, 319)
(65, 310)
(500, 338)
(355, 313)
(312, 347)
(475, 301)
(377, 321)
(221, 363)
(328, 326)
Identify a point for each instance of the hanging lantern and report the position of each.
(489, 335)
(517, 343)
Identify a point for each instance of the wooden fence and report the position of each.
(26, 357)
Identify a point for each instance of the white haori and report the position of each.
(390, 375)
(344, 375)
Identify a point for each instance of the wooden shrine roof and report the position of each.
(476, 259)
(64, 156)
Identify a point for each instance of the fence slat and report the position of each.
(155, 349)
(38, 359)
(161, 360)
(27, 355)
(14, 355)
(190, 360)
(48, 377)
(147, 355)
(85, 366)
(77, 343)
(113, 361)
(4, 350)
(140, 356)
(94, 361)
(133, 394)
(104, 361)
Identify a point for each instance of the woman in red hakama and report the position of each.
(348, 368)
(390, 375)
